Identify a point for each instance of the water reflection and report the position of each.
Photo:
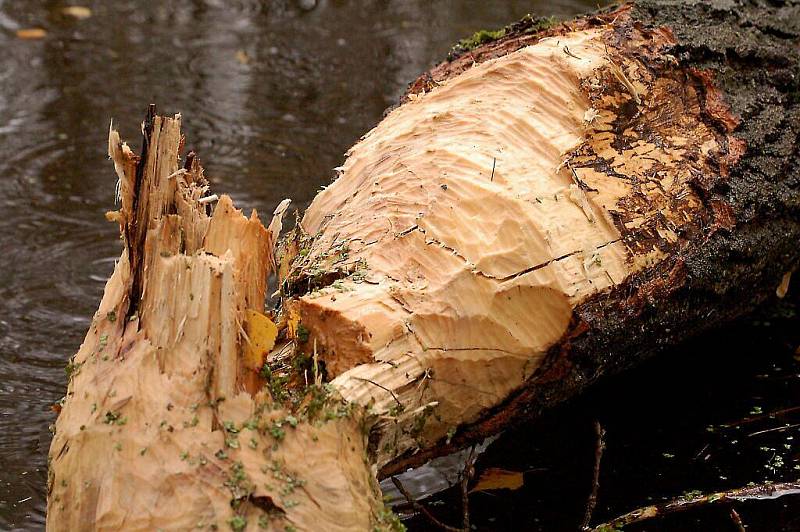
(272, 93)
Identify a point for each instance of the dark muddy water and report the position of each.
(272, 94)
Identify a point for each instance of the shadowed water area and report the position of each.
(272, 94)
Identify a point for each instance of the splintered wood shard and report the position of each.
(164, 426)
(553, 206)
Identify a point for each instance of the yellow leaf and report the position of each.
(31, 33)
(79, 12)
(498, 479)
(261, 333)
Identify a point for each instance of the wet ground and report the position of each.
(272, 94)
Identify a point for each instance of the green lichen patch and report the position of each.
(527, 25)
(480, 37)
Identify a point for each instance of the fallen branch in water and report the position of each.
(760, 417)
(683, 504)
(774, 429)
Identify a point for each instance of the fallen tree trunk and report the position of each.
(547, 208)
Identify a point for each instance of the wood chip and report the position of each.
(783, 288)
(78, 12)
(31, 34)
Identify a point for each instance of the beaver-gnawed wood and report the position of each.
(542, 210)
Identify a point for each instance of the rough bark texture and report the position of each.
(542, 210)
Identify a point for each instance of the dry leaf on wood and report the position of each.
(31, 33)
(497, 479)
(261, 333)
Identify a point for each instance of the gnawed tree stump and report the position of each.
(547, 208)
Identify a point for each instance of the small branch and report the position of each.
(598, 456)
(466, 476)
(421, 508)
(761, 491)
(737, 520)
(776, 429)
(766, 415)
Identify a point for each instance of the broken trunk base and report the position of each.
(167, 424)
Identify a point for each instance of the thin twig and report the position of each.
(208, 199)
(421, 508)
(598, 456)
(177, 173)
(776, 429)
(770, 415)
(494, 162)
(466, 476)
(737, 520)
(701, 451)
(758, 492)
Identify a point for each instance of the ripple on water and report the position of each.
(53, 275)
